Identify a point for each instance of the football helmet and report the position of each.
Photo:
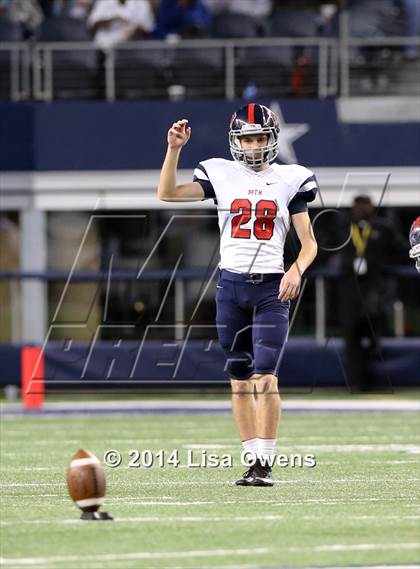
(254, 119)
(415, 242)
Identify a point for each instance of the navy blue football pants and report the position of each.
(252, 324)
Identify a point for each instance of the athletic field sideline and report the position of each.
(209, 406)
(357, 507)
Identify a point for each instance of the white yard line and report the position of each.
(309, 404)
(30, 484)
(231, 442)
(365, 546)
(140, 502)
(28, 561)
(281, 567)
(133, 556)
(153, 519)
(198, 519)
(247, 501)
(20, 496)
(390, 447)
(325, 502)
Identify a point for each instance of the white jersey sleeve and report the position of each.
(306, 183)
(201, 176)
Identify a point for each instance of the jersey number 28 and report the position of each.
(265, 214)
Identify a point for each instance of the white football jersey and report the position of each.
(254, 210)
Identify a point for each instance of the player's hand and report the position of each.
(179, 134)
(290, 284)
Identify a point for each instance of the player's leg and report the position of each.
(238, 350)
(244, 409)
(234, 328)
(268, 411)
(270, 332)
(268, 406)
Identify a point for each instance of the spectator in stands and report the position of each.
(186, 18)
(72, 8)
(28, 13)
(117, 21)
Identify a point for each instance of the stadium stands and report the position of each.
(69, 64)
(10, 31)
(234, 26)
(368, 49)
(200, 72)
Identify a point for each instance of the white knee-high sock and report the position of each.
(251, 446)
(266, 450)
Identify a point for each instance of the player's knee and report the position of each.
(267, 360)
(265, 384)
(242, 387)
(239, 366)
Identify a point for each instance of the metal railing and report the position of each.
(349, 44)
(19, 69)
(331, 61)
(325, 48)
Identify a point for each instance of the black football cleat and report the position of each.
(247, 478)
(262, 475)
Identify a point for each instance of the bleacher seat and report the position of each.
(293, 23)
(266, 67)
(141, 73)
(234, 26)
(75, 71)
(201, 72)
(10, 31)
(298, 24)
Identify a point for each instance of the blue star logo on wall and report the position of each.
(288, 134)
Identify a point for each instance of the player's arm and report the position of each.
(290, 283)
(168, 189)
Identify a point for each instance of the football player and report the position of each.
(256, 201)
(415, 242)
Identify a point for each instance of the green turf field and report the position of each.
(358, 506)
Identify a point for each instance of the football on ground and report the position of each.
(357, 507)
(86, 481)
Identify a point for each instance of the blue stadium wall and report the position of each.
(306, 364)
(132, 135)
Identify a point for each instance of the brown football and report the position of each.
(86, 481)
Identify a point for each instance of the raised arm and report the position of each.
(290, 283)
(168, 189)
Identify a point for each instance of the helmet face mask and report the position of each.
(414, 238)
(254, 120)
